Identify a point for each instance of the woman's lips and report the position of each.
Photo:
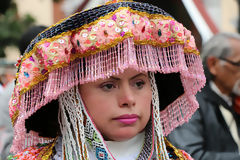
(127, 119)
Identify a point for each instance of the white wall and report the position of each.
(69, 6)
(229, 15)
(41, 10)
(224, 14)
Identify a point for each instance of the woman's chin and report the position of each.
(121, 136)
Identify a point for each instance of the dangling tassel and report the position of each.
(72, 127)
(160, 146)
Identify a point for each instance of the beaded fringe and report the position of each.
(110, 62)
(72, 126)
(160, 146)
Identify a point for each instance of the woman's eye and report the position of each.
(139, 84)
(108, 86)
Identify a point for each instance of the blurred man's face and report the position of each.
(227, 70)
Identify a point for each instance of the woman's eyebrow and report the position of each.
(115, 78)
(140, 74)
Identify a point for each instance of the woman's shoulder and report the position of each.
(176, 154)
(40, 151)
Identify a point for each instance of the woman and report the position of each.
(94, 85)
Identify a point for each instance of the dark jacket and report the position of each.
(207, 136)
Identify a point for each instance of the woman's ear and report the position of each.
(212, 64)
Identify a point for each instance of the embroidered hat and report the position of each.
(102, 42)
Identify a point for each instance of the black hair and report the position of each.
(45, 120)
(169, 88)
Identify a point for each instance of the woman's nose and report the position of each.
(127, 98)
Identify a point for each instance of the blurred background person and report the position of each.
(6, 132)
(214, 130)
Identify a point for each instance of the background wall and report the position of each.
(224, 14)
(41, 10)
(229, 19)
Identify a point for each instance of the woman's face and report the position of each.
(120, 106)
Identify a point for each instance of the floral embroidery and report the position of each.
(28, 153)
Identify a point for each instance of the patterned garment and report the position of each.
(48, 152)
(41, 152)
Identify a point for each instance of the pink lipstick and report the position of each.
(127, 118)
